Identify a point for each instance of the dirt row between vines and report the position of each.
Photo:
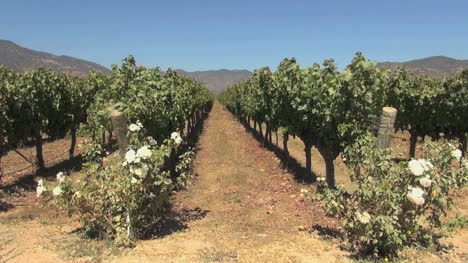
(241, 206)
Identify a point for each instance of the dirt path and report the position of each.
(241, 207)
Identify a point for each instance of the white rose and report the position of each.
(134, 127)
(457, 154)
(364, 218)
(415, 200)
(176, 137)
(60, 177)
(416, 191)
(141, 171)
(130, 156)
(57, 191)
(415, 196)
(40, 189)
(426, 182)
(152, 142)
(178, 141)
(144, 152)
(139, 124)
(426, 165)
(137, 160)
(416, 168)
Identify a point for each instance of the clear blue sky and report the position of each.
(200, 35)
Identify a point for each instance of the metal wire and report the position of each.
(22, 169)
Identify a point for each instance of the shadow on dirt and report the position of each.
(194, 133)
(327, 231)
(28, 183)
(4, 206)
(175, 221)
(290, 163)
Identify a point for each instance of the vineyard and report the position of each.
(334, 110)
(284, 167)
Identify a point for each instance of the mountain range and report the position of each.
(437, 66)
(18, 58)
(217, 80)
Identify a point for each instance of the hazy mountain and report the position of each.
(22, 59)
(438, 66)
(218, 80)
(18, 58)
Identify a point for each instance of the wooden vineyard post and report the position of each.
(386, 127)
(2, 152)
(119, 121)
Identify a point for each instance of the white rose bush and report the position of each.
(123, 197)
(126, 197)
(395, 204)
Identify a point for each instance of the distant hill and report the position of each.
(438, 66)
(217, 80)
(18, 58)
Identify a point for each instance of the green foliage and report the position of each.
(333, 110)
(430, 106)
(459, 221)
(163, 102)
(324, 107)
(41, 102)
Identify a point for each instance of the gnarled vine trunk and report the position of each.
(267, 135)
(329, 148)
(109, 138)
(276, 136)
(270, 136)
(285, 146)
(38, 141)
(330, 172)
(260, 130)
(308, 154)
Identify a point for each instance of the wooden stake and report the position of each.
(386, 127)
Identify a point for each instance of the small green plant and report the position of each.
(459, 221)
(207, 255)
(79, 247)
(393, 201)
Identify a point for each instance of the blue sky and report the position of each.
(201, 35)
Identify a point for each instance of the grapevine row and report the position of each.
(46, 103)
(334, 110)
